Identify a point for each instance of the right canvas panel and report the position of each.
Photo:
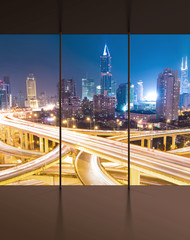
(160, 109)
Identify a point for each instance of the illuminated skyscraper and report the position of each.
(7, 87)
(184, 77)
(68, 88)
(88, 89)
(113, 87)
(106, 81)
(103, 106)
(168, 88)
(98, 89)
(3, 97)
(122, 97)
(140, 91)
(31, 92)
(20, 99)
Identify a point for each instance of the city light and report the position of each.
(95, 121)
(125, 108)
(50, 119)
(150, 126)
(49, 107)
(151, 96)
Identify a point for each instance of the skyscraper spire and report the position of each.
(186, 63)
(106, 51)
(182, 64)
(106, 76)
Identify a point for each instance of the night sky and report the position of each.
(24, 54)
(150, 54)
(39, 54)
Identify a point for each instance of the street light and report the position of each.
(89, 120)
(150, 126)
(167, 121)
(96, 127)
(65, 122)
(74, 126)
(118, 122)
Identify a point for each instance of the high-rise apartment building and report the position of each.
(68, 88)
(103, 106)
(168, 89)
(20, 99)
(122, 97)
(88, 89)
(106, 76)
(31, 100)
(3, 97)
(72, 107)
(87, 108)
(7, 87)
(140, 91)
(113, 87)
(184, 83)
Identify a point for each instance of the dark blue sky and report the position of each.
(24, 54)
(150, 54)
(81, 56)
(38, 54)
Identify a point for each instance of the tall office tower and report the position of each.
(7, 86)
(88, 88)
(122, 97)
(131, 95)
(68, 88)
(3, 97)
(98, 89)
(103, 106)
(113, 87)
(20, 99)
(168, 88)
(31, 92)
(140, 91)
(105, 64)
(184, 84)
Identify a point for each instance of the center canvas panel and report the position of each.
(94, 95)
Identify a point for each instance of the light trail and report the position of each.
(159, 164)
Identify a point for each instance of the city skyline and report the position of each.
(150, 54)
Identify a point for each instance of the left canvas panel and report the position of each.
(29, 131)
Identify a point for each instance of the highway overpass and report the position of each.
(159, 164)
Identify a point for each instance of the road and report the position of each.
(146, 134)
(10, 150)
(158, 164)
(90, 171)
(27, 169)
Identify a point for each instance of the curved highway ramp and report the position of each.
(18, 152)
(90, 171)
(27, 169)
